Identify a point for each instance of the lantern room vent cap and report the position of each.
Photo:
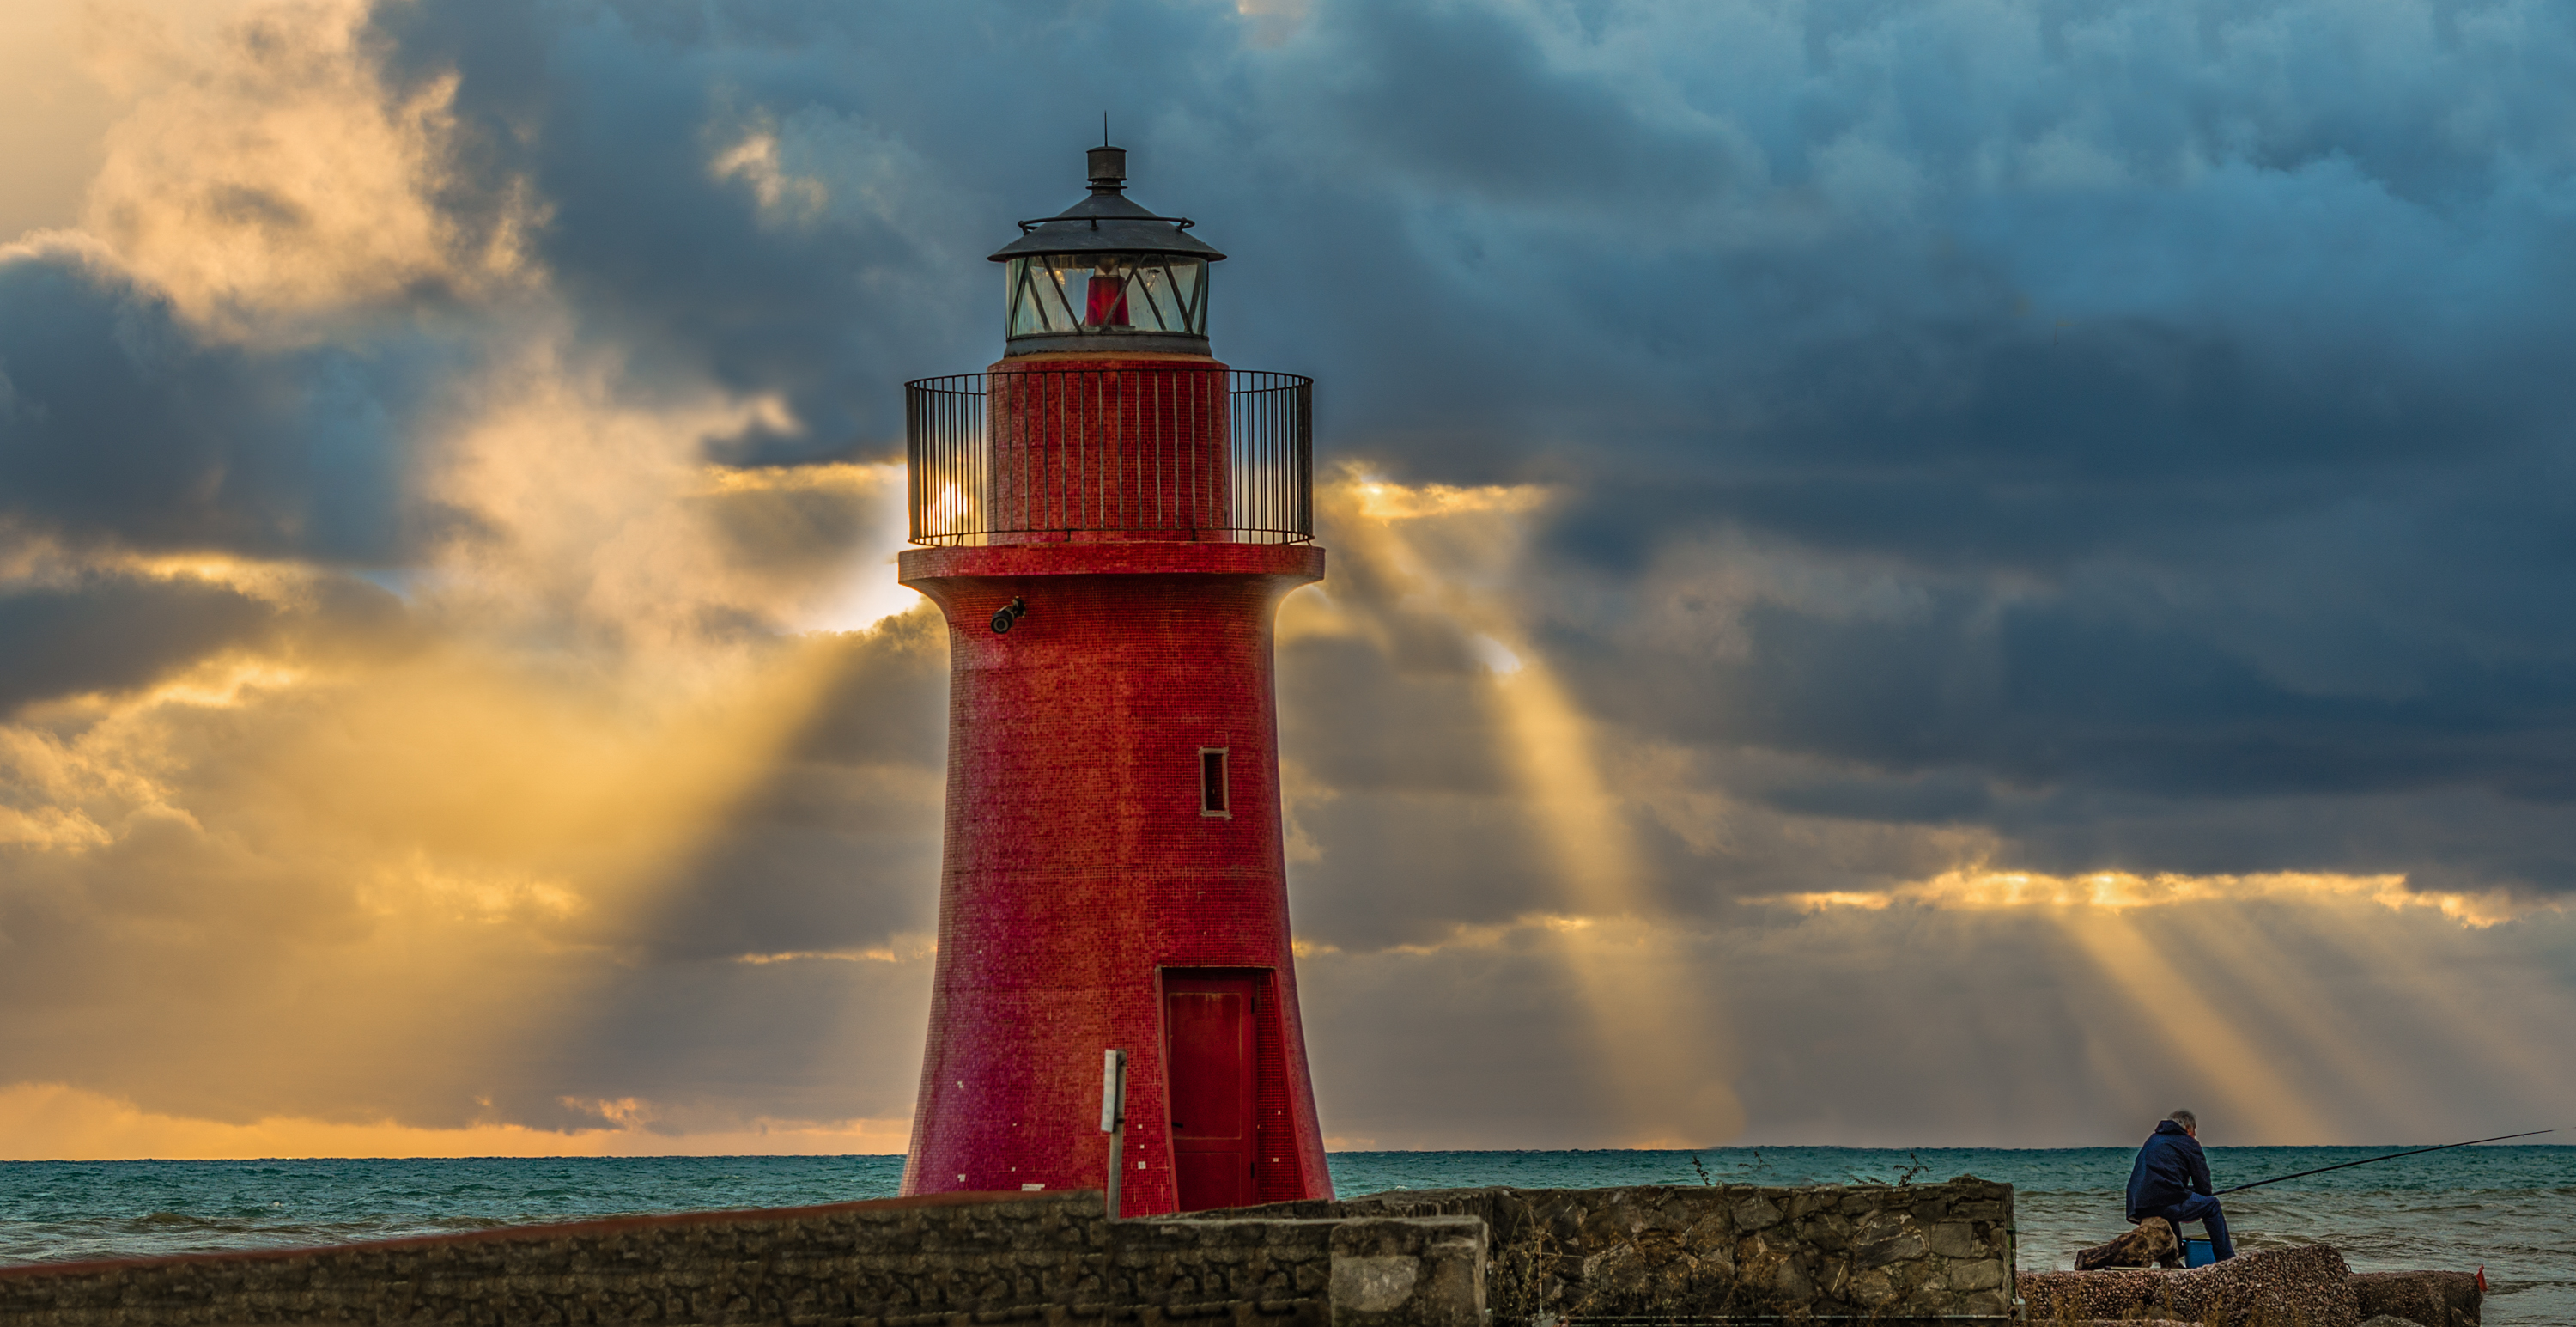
(1107, 222)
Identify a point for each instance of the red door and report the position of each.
(1207, 1045)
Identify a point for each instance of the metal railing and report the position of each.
(1082, 454)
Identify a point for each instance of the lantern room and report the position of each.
(1107, 276)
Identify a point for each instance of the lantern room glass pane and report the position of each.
(1065, 294)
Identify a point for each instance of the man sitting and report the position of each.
(2171, 1180)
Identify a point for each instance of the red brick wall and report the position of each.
(1117, 447)
(1078, 864)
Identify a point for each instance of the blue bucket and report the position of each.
(2196, 1252)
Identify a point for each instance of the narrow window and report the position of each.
(1212, 781)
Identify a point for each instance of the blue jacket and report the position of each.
(2170, 1168)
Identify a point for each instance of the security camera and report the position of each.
(1008, 614)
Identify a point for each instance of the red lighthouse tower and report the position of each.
(1110, 517)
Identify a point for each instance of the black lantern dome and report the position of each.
(1106, 275)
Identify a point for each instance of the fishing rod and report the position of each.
(2390, 1157)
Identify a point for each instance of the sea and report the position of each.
(2510, 1209)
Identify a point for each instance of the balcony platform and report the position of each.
(1124, 557)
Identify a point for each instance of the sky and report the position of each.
(1955, 573)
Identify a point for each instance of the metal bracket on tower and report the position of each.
(1113, 1112)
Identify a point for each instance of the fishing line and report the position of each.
(2390, 1157)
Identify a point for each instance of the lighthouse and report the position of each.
(1109, 516)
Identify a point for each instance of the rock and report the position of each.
(1985, 1303)
(2151, 1244)
(1899, 1246)
(1956, 1239)
(1829, 1231)
(2302, 1287)
(1409, 1272)
(1756, 1214)
(2084, 1296)
(2427, 1299)
(2309, 1286)
(2384, 1320)
(1978, 1275)
(1875, 1288)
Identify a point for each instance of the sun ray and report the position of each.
(1650, 1017)
(2193, 1029)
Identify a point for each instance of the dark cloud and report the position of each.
(104, 632)
(2083, 297)
(120, 422)
(2062, 436)
(112, 634)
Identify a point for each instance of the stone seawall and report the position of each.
(1892, 1254)
(1879, 1253)
(1904, 1254)
(950, 1258)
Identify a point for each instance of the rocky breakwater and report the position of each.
(2308, 1286)
(1883, 1253)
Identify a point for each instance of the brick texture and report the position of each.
(1078, 866)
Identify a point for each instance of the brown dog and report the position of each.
(2152, 1244)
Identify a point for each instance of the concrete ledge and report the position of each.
(1421, 1272)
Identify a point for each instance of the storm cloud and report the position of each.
(1810, 486)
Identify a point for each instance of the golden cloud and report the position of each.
(1980, 890)
(276, 180)
(328, 888)
(56, 1122)
(1385, 500)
